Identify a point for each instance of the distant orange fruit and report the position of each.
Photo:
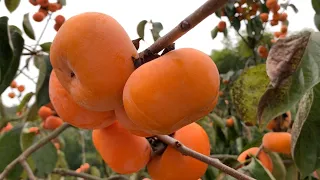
(271, 3)
(230, 122)
(11, 95)
(44, 112)
(221, 26)
(277, 34)
(38, 16)
(283, 17)
(277, 142)
(7, 128)
(33, 2)
(52, 122)
(53, 7)
(284, 29)
(263, 157)
(13, 84)
(34, 130)
(273, 22)
(21, 88)
(264, 17)
(60, 19)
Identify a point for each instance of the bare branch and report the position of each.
(224, 156)
(27, 168)
(184, 26)
(66, 172)
(206, 159)
(32, 149)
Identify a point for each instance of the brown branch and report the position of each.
(184, 26)
(32, 149)
(67, 172)
(206, 159)
(28, 169)
(224, 156)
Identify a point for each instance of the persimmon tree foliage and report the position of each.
(103, 108)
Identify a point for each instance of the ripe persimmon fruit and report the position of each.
(271, 4)
(284, 29)
(124, 152)
(71, 112)
(33, 2)
(173, 165)
(273, 22)
(263, 51)
(161, 103)
(11, 95)
(264, 17)
(283, 17)
(60, 19)
(93, 64)
(52, 122)
(127, 123)
(230, 122)
(44, 112)
(38, 16)
(282, 124)
(263, 157)
(221, 26)
(13, 84)
(53, 7)
(277, 142)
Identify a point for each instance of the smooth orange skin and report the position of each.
(273, 22)
(12, 95)
(53, 7)
(172, 165)
(33, 2)
(21, 88)
(44, 112)
(38, 16)
(221, 26)
(127, 123)
(229, 122)
(284, 29)
(264, 17)
(52, 122)
(172, 91)
(34, 130)
(263, 157)
(277, 142)
(13, 84)
(60, 19)
(271, 3)
(124, 152)
(100, 56)
(74, 114)
(283, 16)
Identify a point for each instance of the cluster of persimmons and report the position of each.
(45, 8)
(13, 86)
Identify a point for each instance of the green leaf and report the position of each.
(141, 27)
(257, 24)
(26, 139)
(61, 162)
(279, 170)
(42, 89)
(156, 29)
(227, 60)
(15, 28)
(11, 47)
(12, 4)
(316, 20)
(250, 28)
(294, 8)
(316, 6)
(10, 149)
(236, 24)
(32, 113)
(292, 76)
(247, 90)
(25, 101)
(305, 133)
(95, 171)
(45, 159)
(63, 2)
(292, 172)
(214, 33)
(46, 46)
(257, 170)
(27, 27)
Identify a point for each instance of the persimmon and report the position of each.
(85, 166)
(263, 157)
(71, 112)
(11, 95)
(53, 7)
(44, 112)
(283, 123)
(127, 123)
(13, 84)
(277, 34)
(239, 10)
(263, 51)
(276, 17)
(21, 88)
(52, 122)
(172, 165)
(34, 130)
(264, 17)
(44, 11)
(277, 142)
(276, 8)
(7, 128)
(43, 3)
(57, 27)
(124, 152)
(221, 26)
(271, 4)
(60, 19)
(94, 63)
(274, 22)
(38, 16)
(56, 145)
(284, 29)
(33, 2)
(283, 17)
(161, 103)
(229, 122)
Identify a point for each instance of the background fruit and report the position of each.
(263, 157)
(52, 122)
(277, 142)
(161, 103)
(88, 61)
(74, 114)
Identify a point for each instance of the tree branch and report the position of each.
(66, 172)
(184, 26)
(32, 149)
(27, 168)
(211, 161)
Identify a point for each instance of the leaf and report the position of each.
(45, 159)
(295, 9)
(298, 75)
(10, 52)
(257, 24)
(12, 5)
(292, 172)
(279, 170)
(316, 20)
(305, 132)
(25, 101)
(32, 113)
(16, 29)
(95, 171)
(236, 24)
(156, 28)
(42, 89)
(140, 28)
(316, 6)
(247, 90)
(214, 33)
(46, 46)
(61, 162)
(63, 2)
(10, 149)
(27, 27)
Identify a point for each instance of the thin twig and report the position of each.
(66, 172)
(28, 169)
(224, 156)
(184, 26)
(259, 150)
(27, 76)
(206, 159)
(33, 148)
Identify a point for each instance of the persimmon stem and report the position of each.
(28, 169)
(206, 159)
(66, 172)
(208, 8)
(32, 149)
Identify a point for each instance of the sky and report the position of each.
(130, 12)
